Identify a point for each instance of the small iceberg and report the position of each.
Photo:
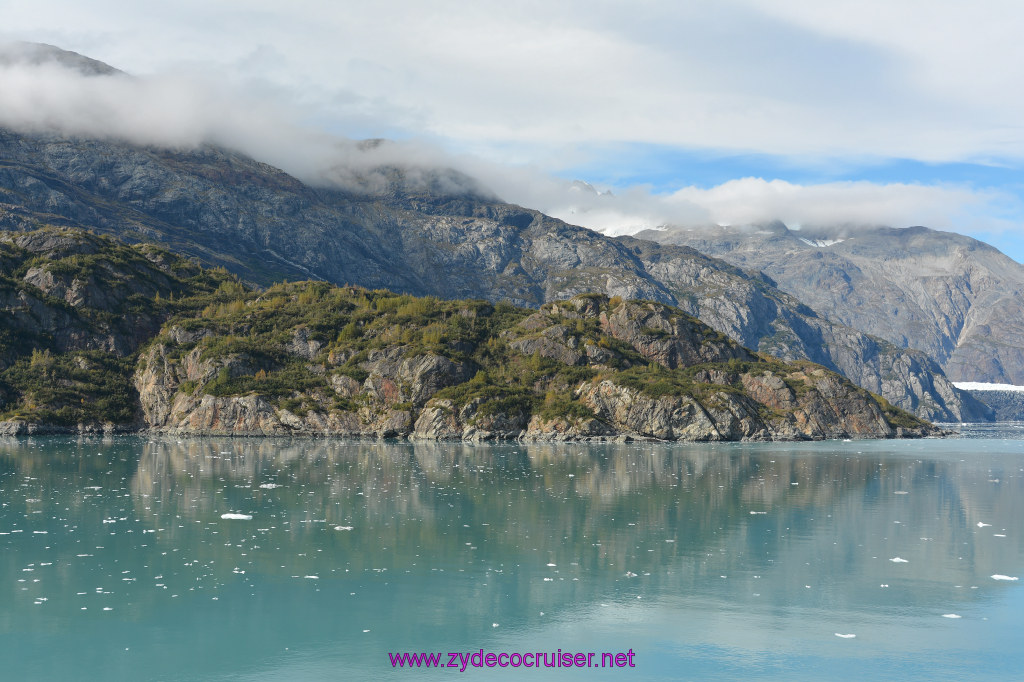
(997, 576)
(239, 517)
(898, 560)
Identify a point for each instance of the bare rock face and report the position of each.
(443, 420)
(664, 418)
(825, 408)
(953, 297)
(568, 429)
(554, 342)
(666, 338)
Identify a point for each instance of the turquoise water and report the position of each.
(246, 559)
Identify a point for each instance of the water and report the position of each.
(135, 558)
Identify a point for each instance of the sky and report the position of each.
(734, 111)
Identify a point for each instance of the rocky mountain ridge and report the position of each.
(315, 359)
(423, 237)
(957, 299)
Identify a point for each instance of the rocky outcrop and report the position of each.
(771, 410)
(313, 359)
(590, 368)
(669, 339)
(85, 293)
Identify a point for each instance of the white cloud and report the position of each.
(924, 80)
(752, 200)
(539, 84)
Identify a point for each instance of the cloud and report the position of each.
(753, 200)
(927, 81)
(185, 109)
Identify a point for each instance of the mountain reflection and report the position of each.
(486, 530)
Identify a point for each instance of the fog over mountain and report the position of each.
(47, 89)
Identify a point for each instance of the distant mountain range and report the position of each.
(954, 297)
(438, 233)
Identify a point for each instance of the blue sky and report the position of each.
(875, 111)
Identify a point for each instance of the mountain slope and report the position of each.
(419, 235)
(100, 335)
(958, 299)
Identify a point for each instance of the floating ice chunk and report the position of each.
(898, 560)
(850, 636)
(239, 517)
(983, 525)
(951, 615)
(344, 527)
(998, 576)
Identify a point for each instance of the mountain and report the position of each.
(429, 233)
(99, 335)
(953, 297)
(20, 52)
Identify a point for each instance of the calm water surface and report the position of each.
(221, 559)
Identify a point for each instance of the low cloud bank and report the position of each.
(48, 91)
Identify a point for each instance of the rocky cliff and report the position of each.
(439, 234)
(310, 359)
(74, 311)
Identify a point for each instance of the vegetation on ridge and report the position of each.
(86, 315)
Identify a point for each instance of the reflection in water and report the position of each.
(428, 546)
